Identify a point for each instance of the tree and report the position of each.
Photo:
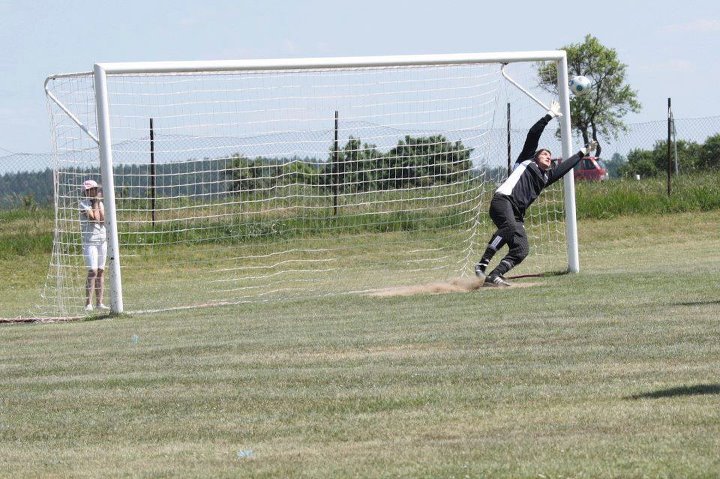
(641, 162)
(654, 162)
(613, 166)
(710, 153)
(357, 168)
(426, 160)
(414, 162)
(598, 113)
(301, 172)
(256, 176)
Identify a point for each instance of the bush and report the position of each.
(609, 199)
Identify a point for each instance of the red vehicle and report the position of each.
(591, 168)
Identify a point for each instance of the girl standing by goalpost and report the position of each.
(94, 238)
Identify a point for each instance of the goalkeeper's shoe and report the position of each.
(480, 270)
(102, 307)
(88, 307)
(496, 281)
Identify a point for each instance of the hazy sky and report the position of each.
(672, 48)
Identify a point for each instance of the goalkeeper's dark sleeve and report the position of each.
(561, 170)
(533, 139)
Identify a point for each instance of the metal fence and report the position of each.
(26, 179)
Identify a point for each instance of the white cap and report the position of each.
(87, 184)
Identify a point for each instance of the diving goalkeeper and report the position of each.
(533, 172)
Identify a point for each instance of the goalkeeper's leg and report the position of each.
(503, 216)
(519, 249)
(511, 231)
(496, 242)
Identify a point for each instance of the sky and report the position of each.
(671, 48)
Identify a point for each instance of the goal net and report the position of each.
(253, 181)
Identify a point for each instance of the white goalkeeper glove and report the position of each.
(554, 110)
(589, 149)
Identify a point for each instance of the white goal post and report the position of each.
(231, 181)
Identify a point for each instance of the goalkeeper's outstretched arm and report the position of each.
(533, 137)
(563, 168)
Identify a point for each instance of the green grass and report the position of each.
(612, 372)
(25, 246)
(610, 199)
(25, 233)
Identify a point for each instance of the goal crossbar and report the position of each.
(336, 62)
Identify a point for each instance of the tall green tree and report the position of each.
(597, 114)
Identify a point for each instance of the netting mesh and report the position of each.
(255, 186)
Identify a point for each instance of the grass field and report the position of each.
(613, 372)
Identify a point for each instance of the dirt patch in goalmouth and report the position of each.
(455, 285)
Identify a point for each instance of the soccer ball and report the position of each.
(579, 85)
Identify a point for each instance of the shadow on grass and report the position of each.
(59, 319)
(698, 303)
(547, 274)
(697, 390)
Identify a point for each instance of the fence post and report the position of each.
(509, 152)
(669, 149)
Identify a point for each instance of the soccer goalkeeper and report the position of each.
(533, 172)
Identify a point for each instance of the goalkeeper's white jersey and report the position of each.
(92, 231)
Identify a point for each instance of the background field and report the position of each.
(613, 372)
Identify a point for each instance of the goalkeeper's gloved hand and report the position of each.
(590, 148)
(554, 110)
